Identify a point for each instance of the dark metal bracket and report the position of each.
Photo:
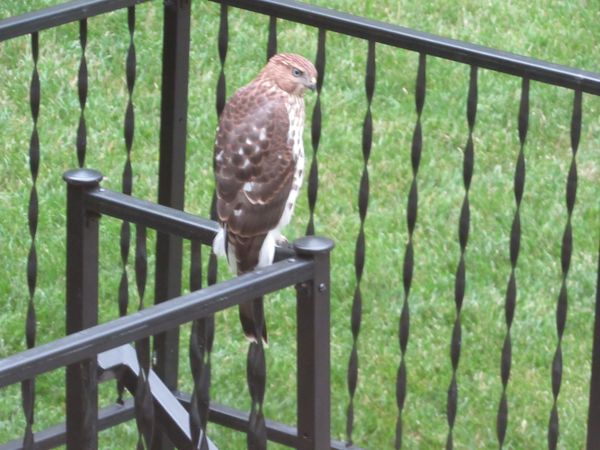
(122, 363)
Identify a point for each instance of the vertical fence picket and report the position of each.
(141, 277)
(28, 386)
(272, 38)
(256, 374)
(127, 176)
(359, 255)
(411, 220)
(124, 244)
(566, 251)
(171, 184)
(129, 121)
(82, 87)
(123, 293)
(144, 407)
(203, 331)
(463, 237)
(221, 97)
(223, 42)
(515, 242)
(201, 340)
(196, 350)
(313, 177)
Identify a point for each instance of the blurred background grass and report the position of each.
(559, 31)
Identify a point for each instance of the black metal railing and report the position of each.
(477, 57)
(174, 226)
(154, 403)
(172, 160)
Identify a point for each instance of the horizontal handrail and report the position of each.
(153, 320)
(57, 15)
(159, 217)
(430, 44)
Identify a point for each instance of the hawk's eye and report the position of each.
(297, 72)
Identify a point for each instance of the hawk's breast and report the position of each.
(295, 109)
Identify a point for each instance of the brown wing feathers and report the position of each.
(254, 168)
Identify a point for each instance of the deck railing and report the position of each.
(93, 352)
(171, 182)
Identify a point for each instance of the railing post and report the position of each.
(171, 181)
(314, 408)
(82, 308)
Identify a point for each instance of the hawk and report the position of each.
(259, 165)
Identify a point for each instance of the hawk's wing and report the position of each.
(254, 169)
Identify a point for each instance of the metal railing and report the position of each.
(477, 57)
(174, 225)
(92, 352)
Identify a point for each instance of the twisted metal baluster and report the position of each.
(411, 220)
(256, 369)
(566, 251)
(223, 42)
(28, 386)
(201, 340)
(256, 374)
(220, 105)
(144, 407)
(125, 242)
(196, 349)
(202, 335)
(313, 178)
(82, 85)
(127, 176)
(359, 254)
(515, 242)
(272, 39)
(141, 276)
(463, 236)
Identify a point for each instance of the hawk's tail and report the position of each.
(252, 317)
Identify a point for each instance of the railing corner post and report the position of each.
(171, 183)
(313, 358)
(81, 307)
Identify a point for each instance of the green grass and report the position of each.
(564, 32)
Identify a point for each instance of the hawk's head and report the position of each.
(292, 73)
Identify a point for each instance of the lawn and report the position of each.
(563, 32)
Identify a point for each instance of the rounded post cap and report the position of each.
(313, 245)
(82, 177)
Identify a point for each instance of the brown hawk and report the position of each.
(259, 165)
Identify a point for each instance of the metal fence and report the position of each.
(92, 352)
(157, 385)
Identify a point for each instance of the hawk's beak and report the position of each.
(313, 84)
